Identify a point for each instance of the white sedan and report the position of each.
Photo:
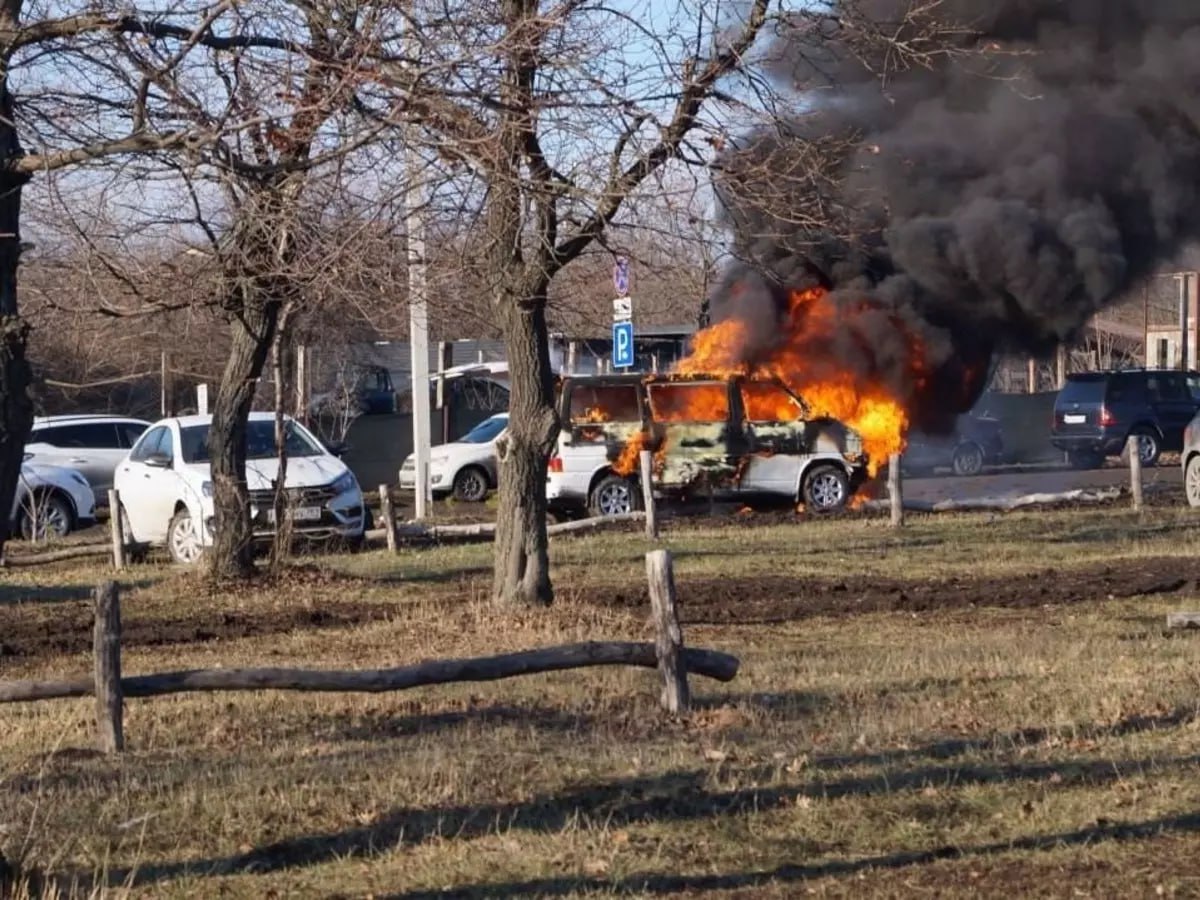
(51, 501)
(167, 494)
(466, 467)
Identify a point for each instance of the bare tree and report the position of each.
(558, 124)
(249, 189)
(100, 112)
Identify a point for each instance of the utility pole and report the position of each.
(302, 391)
(1184, 299)
(167, 385)
(418, 310)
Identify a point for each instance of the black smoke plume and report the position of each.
(988, 172)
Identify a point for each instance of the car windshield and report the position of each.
(485, 431)
(260, 441)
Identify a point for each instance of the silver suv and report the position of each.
(734, 438)
(92, 445)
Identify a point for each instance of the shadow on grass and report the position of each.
(781, 705)
(1111, 533)
(13, 594)
(667, 883)
(680, 796)
(428, 576)
(1005, 742)
(626, 721)
(389, 727)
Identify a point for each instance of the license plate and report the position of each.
(299, 514)
(1074, 420)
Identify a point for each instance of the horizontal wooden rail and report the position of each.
(710, 663)
(79, 551)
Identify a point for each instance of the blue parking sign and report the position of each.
(622, 348)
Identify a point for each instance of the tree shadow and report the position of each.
(388, 727)
(782, 705)
(430, 576)
(667, 883)
(1109, 533)
(678, 796)
(18, 594)
(949, 748)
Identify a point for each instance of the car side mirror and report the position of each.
(159, 461)
(338, 449)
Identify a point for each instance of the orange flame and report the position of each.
(682, 402)
(830, 391)
(627, 463)
(592, 414)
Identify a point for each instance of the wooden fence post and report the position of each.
(1135, 470)
(106, 647)
(647, 463)
(896, 490)
(668, 638)
(115, 523)
(389, 517)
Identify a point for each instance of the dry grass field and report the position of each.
(978, 705)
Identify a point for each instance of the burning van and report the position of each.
(731, 437)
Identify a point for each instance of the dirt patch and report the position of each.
(781, 598)
(66, 628)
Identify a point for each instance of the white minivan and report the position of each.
(729, 437)
(166, 491)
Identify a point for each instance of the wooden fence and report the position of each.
(114, 548)
(110, 687)
(393, 533)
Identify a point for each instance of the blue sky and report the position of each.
(641, 43)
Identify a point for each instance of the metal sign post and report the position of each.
(622, 334)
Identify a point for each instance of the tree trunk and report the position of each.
(522, 561)
(253, 330)
(16, 406)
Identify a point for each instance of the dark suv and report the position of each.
(1097, 411)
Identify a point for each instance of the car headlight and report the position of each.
(206, 489)
(345, 482)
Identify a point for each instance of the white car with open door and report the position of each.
(51, 502)
(167, 496)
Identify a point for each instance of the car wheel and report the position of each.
(1148, 446)
(183, 540)
(1191, 481)
(46, 516)
(1085, 459)
(613, 496)
(826, 488)
(470, 485)
(967, 460)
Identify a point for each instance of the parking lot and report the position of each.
(1003, 485)
(1009, 484)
